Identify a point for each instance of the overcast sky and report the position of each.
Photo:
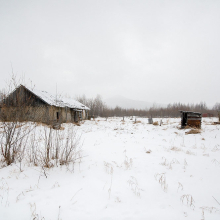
(155, 51)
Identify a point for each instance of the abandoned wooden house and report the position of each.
(192, 119)
(26, 104)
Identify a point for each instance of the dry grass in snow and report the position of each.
(125, 170)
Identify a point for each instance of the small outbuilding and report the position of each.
(192, 119)
(29, 104)
(205, 115)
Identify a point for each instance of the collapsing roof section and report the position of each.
(189, 112)
(52, 100)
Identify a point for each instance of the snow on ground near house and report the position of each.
(179, 177)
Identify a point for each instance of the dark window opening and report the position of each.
(58, 115)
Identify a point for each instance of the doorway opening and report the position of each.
(58, 116)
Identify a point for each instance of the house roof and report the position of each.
(58, 102)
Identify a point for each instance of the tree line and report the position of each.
(99, 108)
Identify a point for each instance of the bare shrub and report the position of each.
(34, 214)
(4, 190)
(208, 209)
(180, 187)
(60, 147)
(165, 162)
(134, 186)
(190, 152)
(108, 168)
(32, 150)
(193, 131)
(13, 140)
(116, 164)
(174, 161)
(137, 122)
(175, 149)
(188, 200)
(169, 164)
(156, 123)
(71, 150)
(161, 178)
(127, 162)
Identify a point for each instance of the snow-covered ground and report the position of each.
(129, 171)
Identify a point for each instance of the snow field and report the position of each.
(117, 179)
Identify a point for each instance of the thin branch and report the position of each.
(215, 200)
(75, 194)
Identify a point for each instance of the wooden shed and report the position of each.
(26, 104)
(205, 115)
(192, 119)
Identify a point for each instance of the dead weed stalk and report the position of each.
(161, 178)
(188, 200)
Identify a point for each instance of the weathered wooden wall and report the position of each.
(23, 105)
(45, 113)
(21, 96)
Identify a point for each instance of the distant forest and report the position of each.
(99, 108)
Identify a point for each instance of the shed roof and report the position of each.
(58, 102)
(190, 112)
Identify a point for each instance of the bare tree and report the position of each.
(216, 107)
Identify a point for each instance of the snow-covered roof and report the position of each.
(58, 102)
